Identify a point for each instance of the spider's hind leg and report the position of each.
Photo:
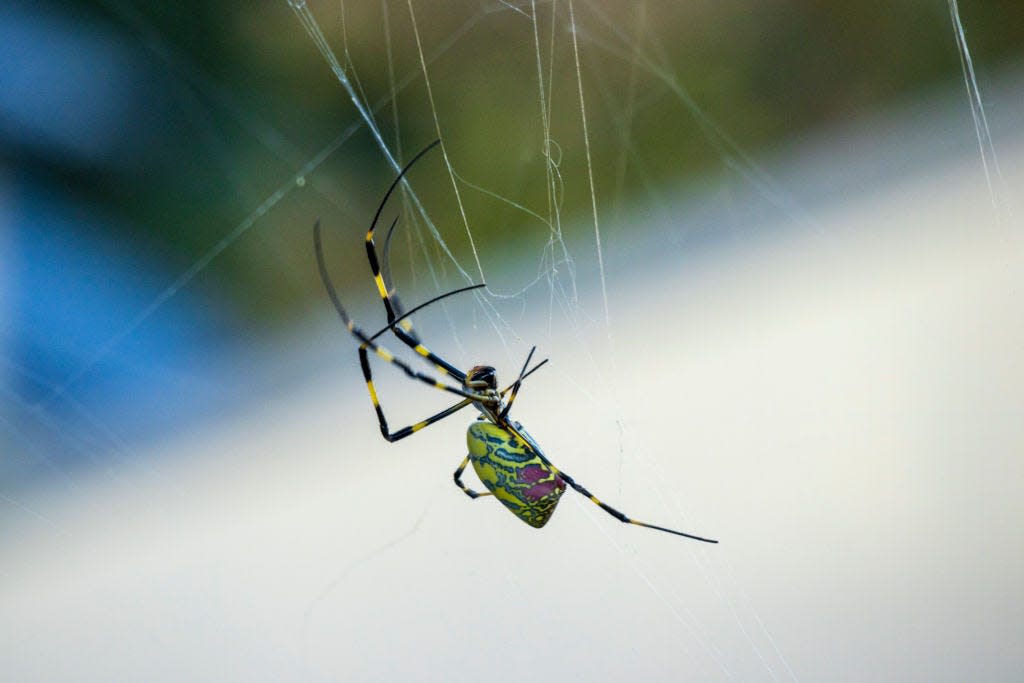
(618, 515)
(516, 428)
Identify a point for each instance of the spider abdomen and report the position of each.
(514, 473)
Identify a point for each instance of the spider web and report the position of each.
(570, 245)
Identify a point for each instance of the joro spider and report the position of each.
(505, 457)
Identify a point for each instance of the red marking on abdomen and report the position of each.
(532, 473)
(546, 488)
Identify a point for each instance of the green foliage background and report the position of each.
(258, 101)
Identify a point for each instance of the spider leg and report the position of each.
(593, 499)
(615, 513)
(406, 336)
(518, 383)
(396, 303)
(465, 489)
(364, 362)
(367, 343)
(519, 380)
(403, 317)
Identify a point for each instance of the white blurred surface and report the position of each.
(840, 406)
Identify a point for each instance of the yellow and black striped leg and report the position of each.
(465, 489)
(386, 355)
(405, 337)
(364, 363)
(403, 317)
(615, 513)
(518, 383)
(367, 344)
(515, 429)
(396, 303)
(403, 330)
(404, 322)
(443, 367)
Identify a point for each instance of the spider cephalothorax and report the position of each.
(482, 379)
(507, 459)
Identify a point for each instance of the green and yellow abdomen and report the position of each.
(514, 473)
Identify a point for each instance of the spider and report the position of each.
(505, 457)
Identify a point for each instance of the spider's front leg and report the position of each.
(364, 362)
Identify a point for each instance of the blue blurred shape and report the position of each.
(65, 83)
(70, 290)
(81, 376)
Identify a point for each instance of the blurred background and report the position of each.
(771, 249)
